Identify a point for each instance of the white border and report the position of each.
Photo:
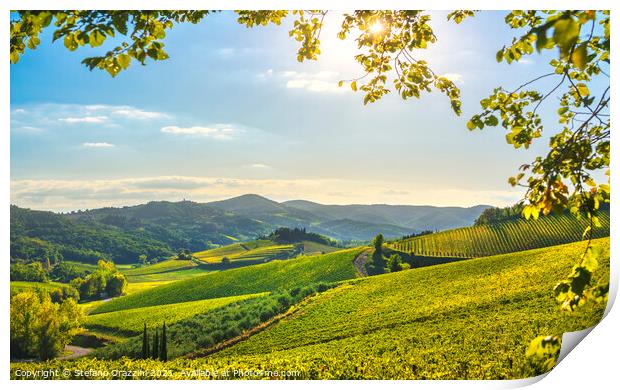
(591, 365)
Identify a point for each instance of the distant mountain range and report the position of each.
(159, 228)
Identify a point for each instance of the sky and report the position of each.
(232, 112)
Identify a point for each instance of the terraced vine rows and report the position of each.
(466, 320)
(507, 237)
(252, 251)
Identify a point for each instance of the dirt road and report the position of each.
(76, 352)
(360, 261)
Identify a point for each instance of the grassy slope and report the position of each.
(17, 287)
(258, 250)
(471, 319)
(467, 320)
(311, 247)
(215, 255)
(271, 276)
(162, 266)
(507, 237)
(131, 322)
(162, 272)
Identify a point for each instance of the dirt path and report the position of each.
(359, 262)
(76, 352)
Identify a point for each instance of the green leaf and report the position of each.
(124, 60)
(70, 42)
(565, 34)
(14, 57)
(491, 121)
(579, 58)
(96, 38)
(33, 42)
(583, 89)
(471, 125)
(499, 55)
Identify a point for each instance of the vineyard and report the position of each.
(130, 322)
(253, 250)
(203, 331)
(162, 266)
(46, 286)
(260, 251)
(506, 237)
(278, 274)
(471, 319)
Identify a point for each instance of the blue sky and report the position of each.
(233, 112)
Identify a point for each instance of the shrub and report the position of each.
(40, 327)
(116, 285)
(32, 272)
(63, 293)
(105, 280)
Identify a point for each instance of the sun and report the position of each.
(376, 27)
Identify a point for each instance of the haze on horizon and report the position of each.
(232, 112)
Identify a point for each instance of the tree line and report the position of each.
(157, 349)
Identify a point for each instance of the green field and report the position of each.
(259, 251)
(311, 247)
(506, 237)
(131, 322)
(162, 266)
(17, 287)
(232, 251)
(471, 319)
(277, 274)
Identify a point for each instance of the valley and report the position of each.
(293, 299)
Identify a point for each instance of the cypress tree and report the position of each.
(145, 344)
(155, 350)
(164, 345)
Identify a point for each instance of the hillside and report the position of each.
(358, 230)
(500, 303)
(37, 235)
(275, 275)
(505, 237)
(266, 210)
(466, 320)
(414, 218)
(283, 243)
(160, 229)
(131, 322)
(180, 225)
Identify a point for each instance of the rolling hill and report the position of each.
(275, 275)
(413, 218)
(439, 322)
(504, 237)
(160, 229)
(466, 320)
(131, 322)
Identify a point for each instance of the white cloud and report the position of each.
(454, 77)
(84, 119)
(51, 115)
(97, 145)
(136, 113)
(257, 166)
(324, 81)
(314, 85)
(224, 132)
(67, 195)
(525, 61)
